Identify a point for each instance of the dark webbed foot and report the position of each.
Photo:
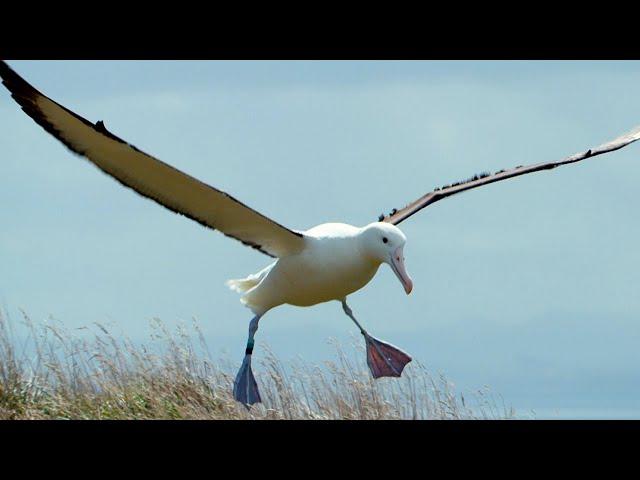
(245, 388)
(384, 360)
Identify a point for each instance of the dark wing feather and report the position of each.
(397, 216)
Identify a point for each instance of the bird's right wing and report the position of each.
(397, 216)
(151, 177)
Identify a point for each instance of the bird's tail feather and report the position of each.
(243, 285)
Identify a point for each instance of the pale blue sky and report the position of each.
(529, 286)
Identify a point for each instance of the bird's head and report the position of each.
(384, 243)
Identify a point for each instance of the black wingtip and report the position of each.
(18, 86)
(5, 70)
(3, 67)
(15, 83)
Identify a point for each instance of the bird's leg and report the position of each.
(383, 359)
(245, 388)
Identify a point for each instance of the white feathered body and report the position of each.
(331, 266)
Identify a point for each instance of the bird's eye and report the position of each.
(385, 239)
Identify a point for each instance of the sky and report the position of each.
(529, 286)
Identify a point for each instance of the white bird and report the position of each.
(325, 263)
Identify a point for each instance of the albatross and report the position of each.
(325, 263)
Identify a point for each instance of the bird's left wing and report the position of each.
(151, 177)
(397, 216)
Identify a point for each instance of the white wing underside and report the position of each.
(151, 177)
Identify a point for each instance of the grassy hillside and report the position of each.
(54, 374)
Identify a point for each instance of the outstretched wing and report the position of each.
(397, 216)
(151, 177)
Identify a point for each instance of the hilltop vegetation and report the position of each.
(54, 374)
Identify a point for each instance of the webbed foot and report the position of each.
(245, 388)
(383, 359)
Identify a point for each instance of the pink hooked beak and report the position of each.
(397, 265)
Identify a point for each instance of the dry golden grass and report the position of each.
(53, 374)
